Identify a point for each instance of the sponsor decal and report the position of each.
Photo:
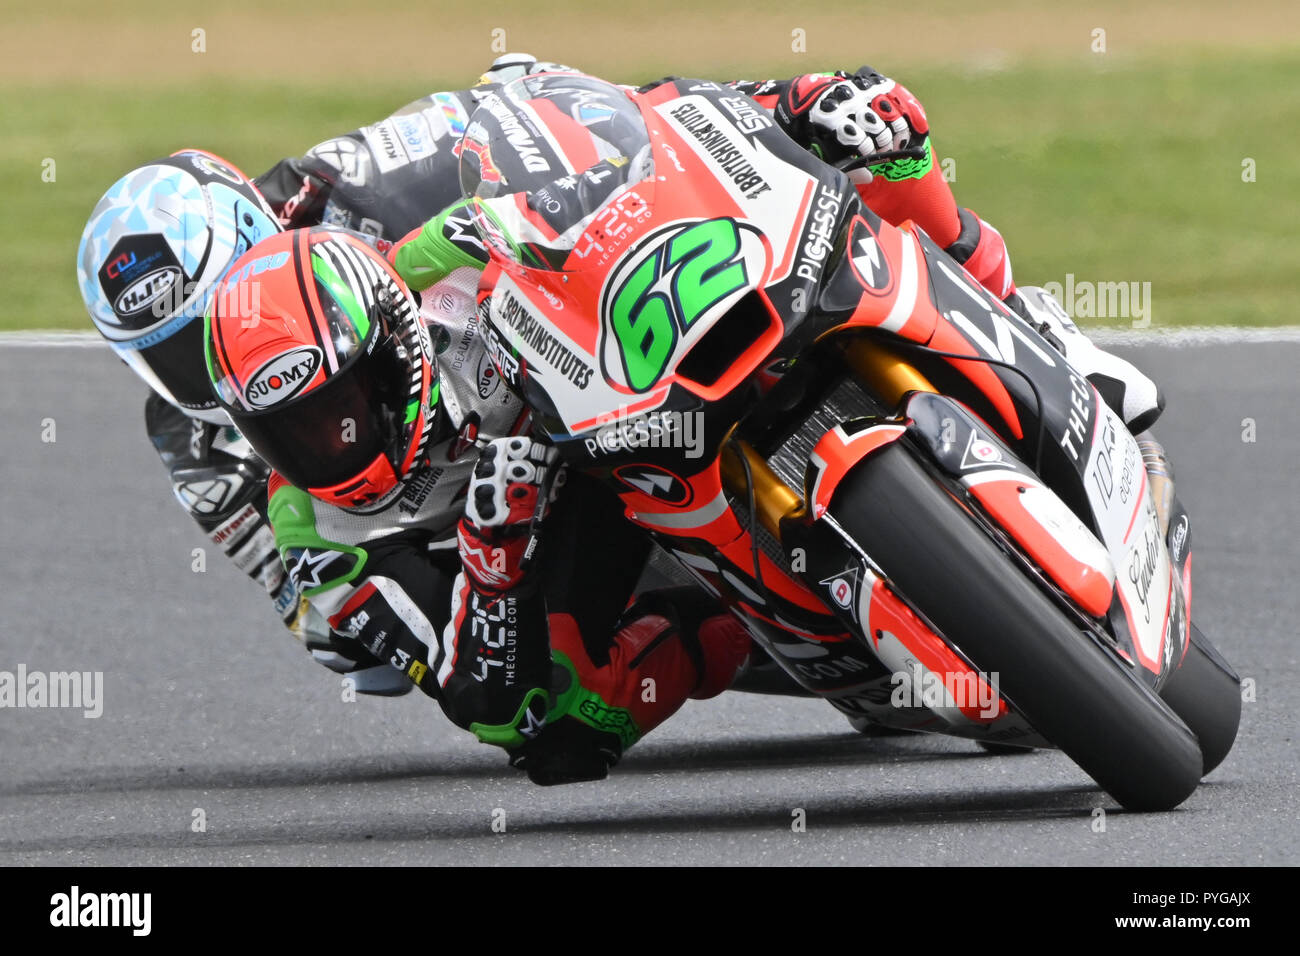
(286, 597)
(235, 529)
(282, 377)
(336, 215)
(614, 720)
(140, 271)
(208, 496)
(728, 156)
(257, 551)
(487, 169)
(833, 670)
(121, 264)
(257, 267)
(488, 379)
(386, 146)
(453, 111)
(844, 588)
(465, 438)
(521, 142)
(672, 155)
(460, 231)
(749, 116)
(356, 622)
(416, 139)
(868, 260)
(1080, 411)
(1103, 472)
(418, 489)
(1178, 538)
(1131, 454)
(550, 349)
(308, 564)
(619, 433)
(614, 225)
(820, 238)
(979, 453)
(345, 155)
(460, 355)
(496, 619)
(146, 290)
(1144, 560)
(658, 483)
(503, 357)
(210, 166)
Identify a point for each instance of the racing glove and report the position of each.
(841, 116)
(514, 482)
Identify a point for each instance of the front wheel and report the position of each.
(1206, 693)
(1069, 689)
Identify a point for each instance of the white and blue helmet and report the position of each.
(155, 247)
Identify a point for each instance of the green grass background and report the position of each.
(1108, 168)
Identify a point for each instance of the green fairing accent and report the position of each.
(412, 410)
(590, 708)
(292, 514)
(429, 257)
(900, 169)
(507, 735)
(343, 294)
(207, 343)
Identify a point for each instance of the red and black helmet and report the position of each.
(316, 350)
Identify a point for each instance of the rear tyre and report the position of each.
(1071, 691)
(1206, 693)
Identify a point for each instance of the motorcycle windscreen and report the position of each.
(543, 156)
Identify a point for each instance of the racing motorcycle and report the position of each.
(918, 509)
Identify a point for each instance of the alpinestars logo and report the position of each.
(460, 231)
(306, 571)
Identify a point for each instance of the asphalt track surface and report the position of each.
(209, 706)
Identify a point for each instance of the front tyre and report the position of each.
(1070, 690)
(1206, 693)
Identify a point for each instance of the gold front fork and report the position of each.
(773, 498)
(881, 369)
(884, 371)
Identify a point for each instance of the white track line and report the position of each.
(51, 340)
(1196, 335)
(1186, 337)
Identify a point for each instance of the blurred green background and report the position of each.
(1116, 157)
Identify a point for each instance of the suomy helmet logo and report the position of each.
(283, 377)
